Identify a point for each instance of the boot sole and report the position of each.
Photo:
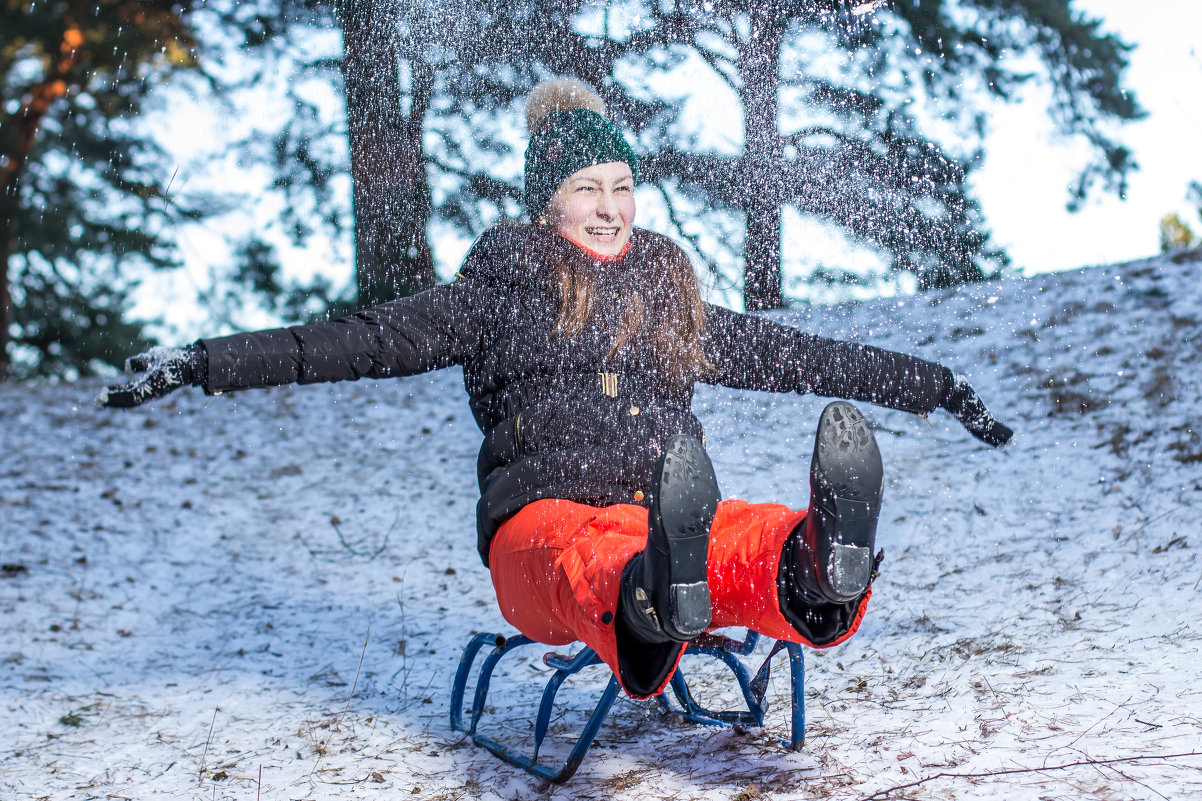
(684, 499)
(846, 476)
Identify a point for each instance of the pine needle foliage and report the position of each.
(85, 197)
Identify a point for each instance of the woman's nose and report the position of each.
(607, 205)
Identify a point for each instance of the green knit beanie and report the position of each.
(567, 141)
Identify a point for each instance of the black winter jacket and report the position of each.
(561, 418)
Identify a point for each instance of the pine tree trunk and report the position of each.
(7, 218)
(762, 158)
(16, 156)
(391, 195)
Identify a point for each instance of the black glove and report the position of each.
(164, 370)
(964, 404)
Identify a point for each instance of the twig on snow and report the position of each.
(200, 774)
(368, 554)
(355, 683)
(883, 794)
(1144, 525)
(1091, 728)
(404, 647)
(349, 698)
(1133, 780)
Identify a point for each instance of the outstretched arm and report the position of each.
(751, 352)
(432, 329)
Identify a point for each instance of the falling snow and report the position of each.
(265, 594)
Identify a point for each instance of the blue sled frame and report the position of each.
(720, 647)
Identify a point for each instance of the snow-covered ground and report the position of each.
(266, 595)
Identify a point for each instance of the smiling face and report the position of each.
(594, 207)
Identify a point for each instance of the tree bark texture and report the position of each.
(7, 221)
(9, 186)
(391, 194)
(759, 60)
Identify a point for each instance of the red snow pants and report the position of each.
(556, 566)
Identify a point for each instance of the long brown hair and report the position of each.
(660, 299)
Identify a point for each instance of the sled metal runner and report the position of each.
(725, 649)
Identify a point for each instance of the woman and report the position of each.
(580, 339)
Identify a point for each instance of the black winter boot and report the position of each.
(832, 554)
(665, 595)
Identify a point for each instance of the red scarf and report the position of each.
(595, 256)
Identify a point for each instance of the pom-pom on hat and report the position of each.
(568, 132)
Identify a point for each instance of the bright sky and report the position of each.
(1023, 185)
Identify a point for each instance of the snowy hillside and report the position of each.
(266, 595)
